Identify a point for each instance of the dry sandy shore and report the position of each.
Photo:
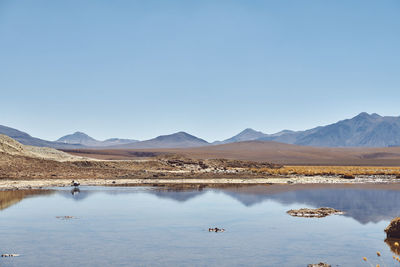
(12, 184)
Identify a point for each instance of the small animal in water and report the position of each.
(216, 229)
(75, 183)
(10, 255)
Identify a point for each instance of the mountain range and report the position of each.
(363, 130)
(176, 140)
(26, 139)
(85, 140)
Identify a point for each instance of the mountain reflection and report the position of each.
(175, 193)
(364, 203)
(9, 198)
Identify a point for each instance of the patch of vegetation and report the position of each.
(348, 172)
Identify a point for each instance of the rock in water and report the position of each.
(394, 245)
(393, 229)
(314, 213)
(321, 264)
(65, 217)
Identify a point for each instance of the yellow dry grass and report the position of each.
(331, 170)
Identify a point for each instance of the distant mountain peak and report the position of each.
(365, 115)
(180, 136)
(79, 133)
(249, 130)
(247, 134)
(375, 115)
(77, 138)
(85, 140)
(282, 133)
(175, 140)
(182, 133)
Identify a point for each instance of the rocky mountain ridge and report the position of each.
(79, 138)
(363, 130)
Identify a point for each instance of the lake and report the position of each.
(157, 226)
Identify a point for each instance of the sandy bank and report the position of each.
(12, 184)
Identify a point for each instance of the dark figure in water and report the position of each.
(216, 229)
(76, 184)
(75, 191)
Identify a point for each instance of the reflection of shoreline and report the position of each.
(9, 198)
(391, 243)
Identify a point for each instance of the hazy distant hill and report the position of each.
(26, 139)
(245, 135)
(364, 130)
(250, 135)
(86, 140)
(176, 140)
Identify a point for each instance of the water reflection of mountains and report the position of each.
(363, 204)
(174, 194)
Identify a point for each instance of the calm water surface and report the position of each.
(146, 226)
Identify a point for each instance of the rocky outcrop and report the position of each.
(314, 213)
(394, 245)
(393, 229)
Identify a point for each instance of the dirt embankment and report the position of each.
(11, 147)
(23, 167)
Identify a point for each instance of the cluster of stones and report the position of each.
(393, 229)
(314, 213)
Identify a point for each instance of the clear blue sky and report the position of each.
(138, 69)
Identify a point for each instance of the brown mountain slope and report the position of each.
(267, 151)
